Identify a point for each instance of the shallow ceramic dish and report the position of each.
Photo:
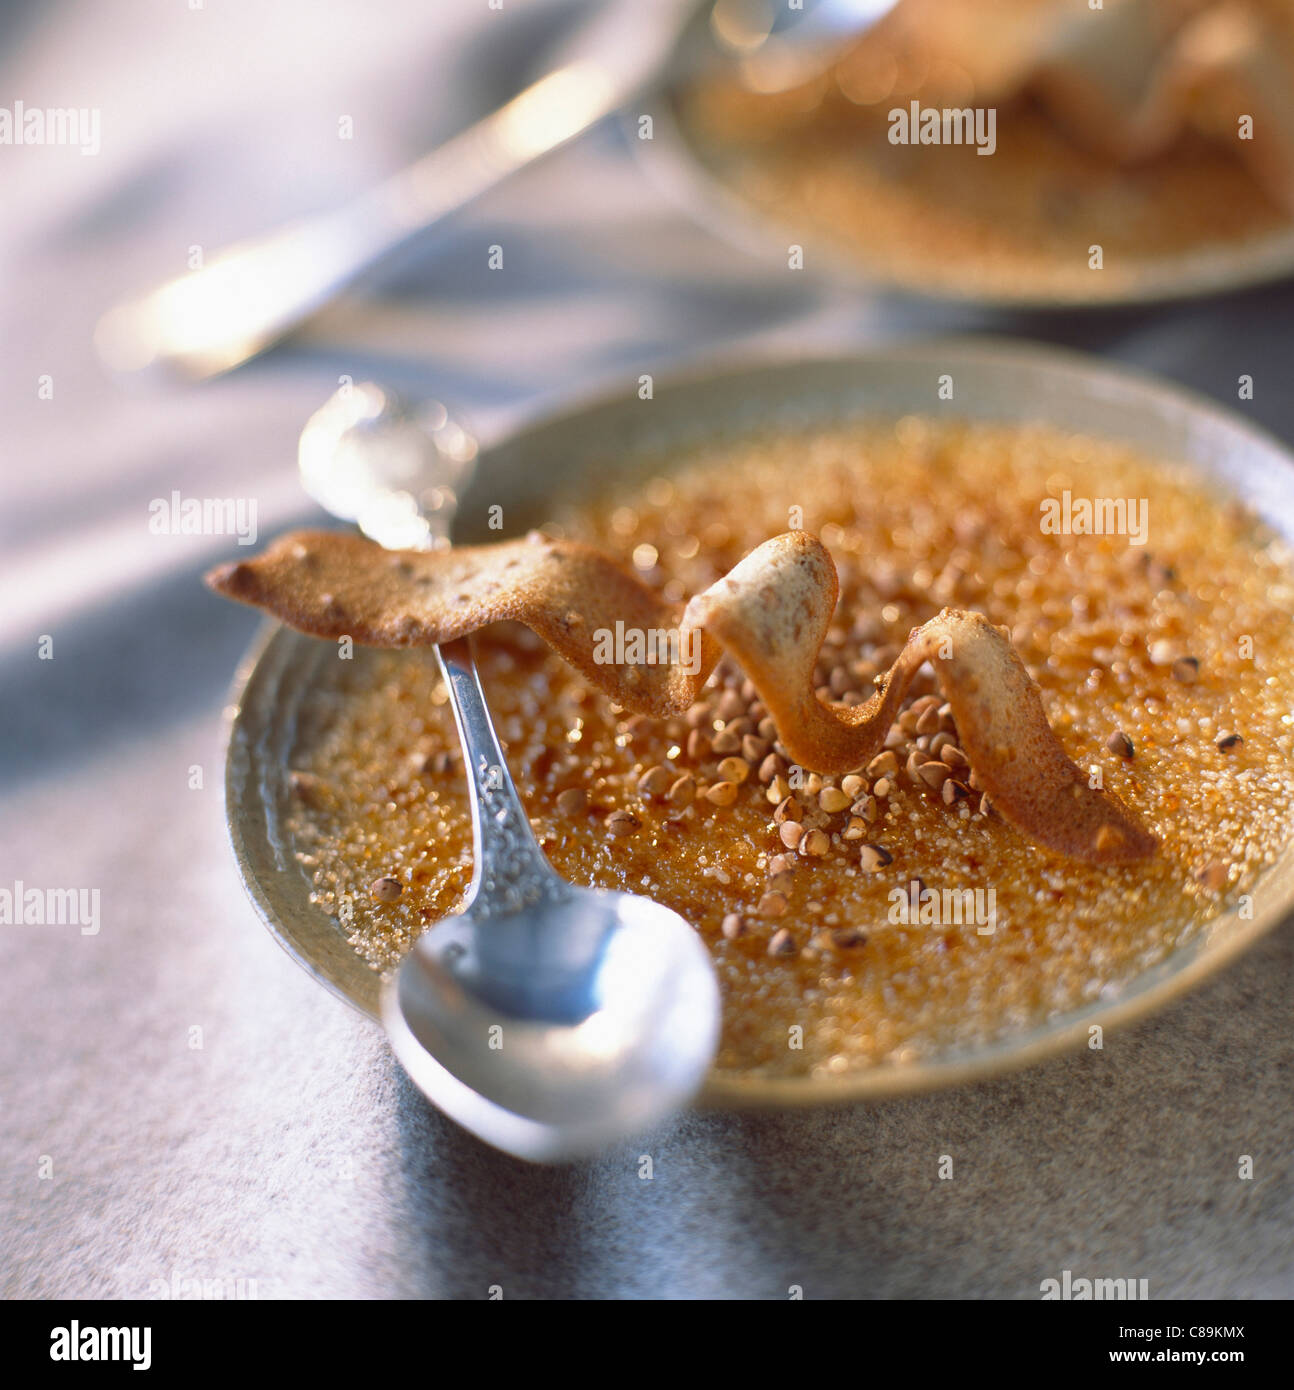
(694, 179)
(995, 381)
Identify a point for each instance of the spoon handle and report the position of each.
(510, 872)
(243, 301)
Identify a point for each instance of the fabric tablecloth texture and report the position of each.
(178, 1100)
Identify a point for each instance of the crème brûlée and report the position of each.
(1022, 755)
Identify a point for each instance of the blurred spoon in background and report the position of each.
(777, 47)
(246, 299)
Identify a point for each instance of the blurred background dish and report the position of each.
(1142, 150)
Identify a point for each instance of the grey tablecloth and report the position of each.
(178, 1100)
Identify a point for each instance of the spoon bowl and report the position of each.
(547, 1018)
(553, 1031)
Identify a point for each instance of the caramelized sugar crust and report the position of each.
(1151, 659)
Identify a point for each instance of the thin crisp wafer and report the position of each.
(771, 612)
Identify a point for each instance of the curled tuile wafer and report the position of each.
(770, 612)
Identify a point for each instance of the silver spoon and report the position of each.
(548, 1019)
(248, 297)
